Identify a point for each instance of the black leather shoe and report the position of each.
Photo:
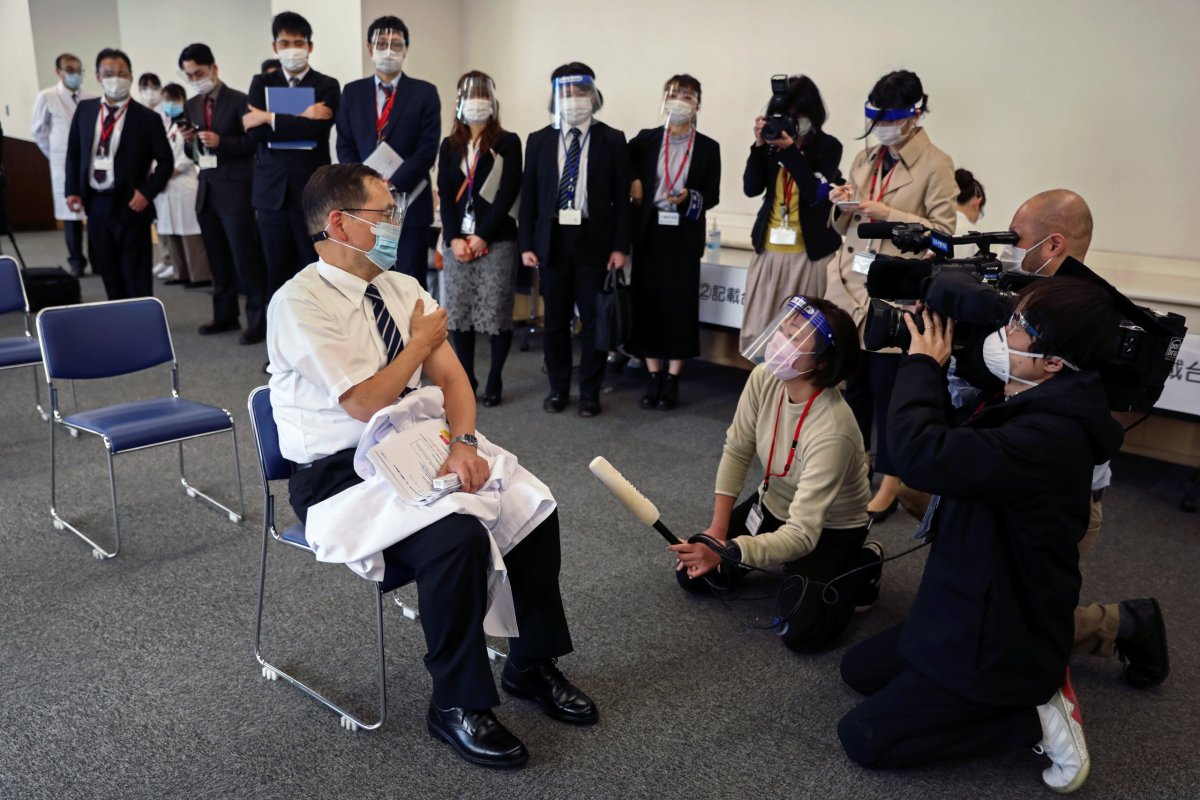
(490, 400)
(669, 398)
(210, 328)
(197, 284)
(554, 402)
(880, 516)
(175, 282)
(251, 337)
(653, 391)
(477, 736)
(1147, 663)
(589, 406)
(550, 689)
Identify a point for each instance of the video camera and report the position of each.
(778, 114)
(979, 295)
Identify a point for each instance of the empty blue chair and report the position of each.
(104, 340)
(274, 467)
(18, 351)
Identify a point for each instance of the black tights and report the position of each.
(464, 345)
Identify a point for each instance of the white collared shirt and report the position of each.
(113, 143)
(380, 98)
(564, 142)
(322, 340)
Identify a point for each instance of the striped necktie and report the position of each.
(570, 172)
(293, 82)
(385, 323)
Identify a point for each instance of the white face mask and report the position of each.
(204, 85)
(803, 126)
(293, 59)
(575, 110)
(151, 97)
(389, 62)
(996, 354)
(476, 111)
(889, 134)
(1012, 257)
(116, 88)
(678, 111)
(781, 354)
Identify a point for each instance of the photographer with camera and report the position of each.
(791, 164)
(980, 665)
(902, 179)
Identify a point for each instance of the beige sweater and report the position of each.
(826, 486)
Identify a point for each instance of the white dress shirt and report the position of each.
(113, 143)
(564, 142)
(322, 340)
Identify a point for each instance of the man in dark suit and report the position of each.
(226, 157)
(118, 160)
(281, 170)
(574, 223)
(404, 113)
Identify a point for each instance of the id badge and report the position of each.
(754, 519)
(668, 218)
(863, 261)
(102, 162)
(468, 224)
(570, 216)
(207, 161)
(783, 236)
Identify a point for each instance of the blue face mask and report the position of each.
(387, 243)
(172, 109)
(73, 80)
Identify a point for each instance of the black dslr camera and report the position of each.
(779, 118)
(979, 295)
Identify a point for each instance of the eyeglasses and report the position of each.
(1018, 320)
(390, 214)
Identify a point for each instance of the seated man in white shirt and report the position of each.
(347, 338)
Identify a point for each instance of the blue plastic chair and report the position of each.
(104, 340)
(18, 351)
(274, 467)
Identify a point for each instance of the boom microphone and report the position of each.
(877, 230)
(630, 497)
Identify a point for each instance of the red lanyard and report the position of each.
(670, 184)
(875, 176)
(795, 440)
(471, 179)
(381, 120)
(107, 126)
(789, 183)
(208, 112)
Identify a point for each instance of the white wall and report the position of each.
(18, 73)
(337, 34)
(154, 32)
(69, 26)
(1098, 96)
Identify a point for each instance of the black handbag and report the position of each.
(614, 312)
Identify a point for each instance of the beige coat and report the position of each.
(922, 189)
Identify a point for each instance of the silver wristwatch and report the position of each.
(467, 439)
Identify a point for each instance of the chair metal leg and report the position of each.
(37, 397)
(271, 672)
(98, 552)
(192, 491)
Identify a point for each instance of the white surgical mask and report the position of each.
(73, 80)
(293, 59)
(1012, 257)
(389, 62)
(204, 85)
(889, 134)
(678, 111)
(151, 97)
(996, 354)
(781, 354)
(803, 126)
(116, 88)
(575, 110)
(476, 111)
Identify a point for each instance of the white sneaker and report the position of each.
(162, 270)
(1063, 742)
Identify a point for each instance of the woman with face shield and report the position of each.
(809, 513)
(676, 179)
(902, 178)
(479, 179)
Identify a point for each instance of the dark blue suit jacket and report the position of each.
(413, 130)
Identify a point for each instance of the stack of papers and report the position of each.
(410, 459)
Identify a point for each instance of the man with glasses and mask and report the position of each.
(979, 668)
(53, 111)
(392, 122)
(118, 160)
(290, 147)
(225, 155)
(348, 337)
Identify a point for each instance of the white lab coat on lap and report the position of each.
(53, 111)
(356, 525)
(175, 206)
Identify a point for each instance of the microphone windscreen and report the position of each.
(876, 230)
(623, 490)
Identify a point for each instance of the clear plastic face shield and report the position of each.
(891, 125)
(679, 105)
(799, 329)
(389, 46)
(476, 101)
(575, 99)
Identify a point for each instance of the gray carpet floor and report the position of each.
(136, 678)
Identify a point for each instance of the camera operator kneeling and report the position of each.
(980, 666)
(810, 512)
